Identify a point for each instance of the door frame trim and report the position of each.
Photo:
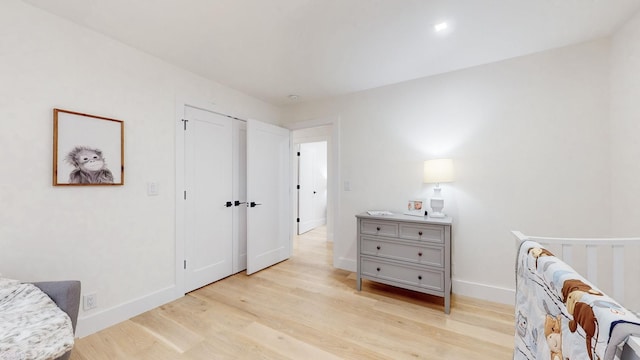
(333, 183)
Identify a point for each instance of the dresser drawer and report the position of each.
(428, 233)
(403, 251)
(403, 275)
(379, 228)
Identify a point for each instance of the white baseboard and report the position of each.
(483, 291)
(95, 322)
(346, 264)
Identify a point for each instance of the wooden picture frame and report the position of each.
(88, 150)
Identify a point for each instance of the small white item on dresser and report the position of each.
(379, 212)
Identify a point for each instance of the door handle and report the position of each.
(237, 203)
(228, 204)
(253, 204)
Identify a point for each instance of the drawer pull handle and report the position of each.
(420, 253)
(378, 247)
(419, 277)
(378, 269)
(378, 228)
(420, 233)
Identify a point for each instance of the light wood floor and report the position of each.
(303, 308)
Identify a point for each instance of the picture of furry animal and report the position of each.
(537, 252)
(572, 292)
(90, 166)
(553, 334)
(572, 285)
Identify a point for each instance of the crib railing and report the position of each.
(592, 246)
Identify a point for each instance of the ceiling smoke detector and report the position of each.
(293, 97)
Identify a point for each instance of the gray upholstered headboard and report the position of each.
(66, 294)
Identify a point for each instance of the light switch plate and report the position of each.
(153, 188)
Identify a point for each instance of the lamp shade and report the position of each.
(438, 171)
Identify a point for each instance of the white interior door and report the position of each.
(312, 194)
(240, 196)
(305, 183)
(268, 193)
(208, 183)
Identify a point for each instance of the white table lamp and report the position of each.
(436, 172)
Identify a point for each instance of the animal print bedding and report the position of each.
(560, 315)
(32, 326)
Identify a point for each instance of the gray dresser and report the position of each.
(410, 252)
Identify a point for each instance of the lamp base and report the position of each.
(437, 203)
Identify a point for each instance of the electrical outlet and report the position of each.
(90, 301)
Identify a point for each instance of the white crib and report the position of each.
(570, 247)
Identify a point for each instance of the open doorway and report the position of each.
(312, 185)
(312, 172)
(322, 129)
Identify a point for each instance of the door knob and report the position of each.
(253, 204)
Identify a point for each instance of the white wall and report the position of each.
(625, 128)
(117, 240)
(625, 145)
(529, 139)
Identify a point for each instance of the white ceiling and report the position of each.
(321, 48)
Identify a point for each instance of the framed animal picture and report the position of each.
(87, 149)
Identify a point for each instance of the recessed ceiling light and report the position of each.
(441, 26)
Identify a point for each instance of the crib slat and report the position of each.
(592, 262)
(618, 273)
(567, 254)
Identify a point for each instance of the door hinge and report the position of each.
(298, 153)
(185, 264)
(185, 194)
(298, 187)
(184, 123)
(298, 220)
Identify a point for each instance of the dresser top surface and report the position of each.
(407, 218)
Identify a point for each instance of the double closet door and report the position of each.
(237, 196)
